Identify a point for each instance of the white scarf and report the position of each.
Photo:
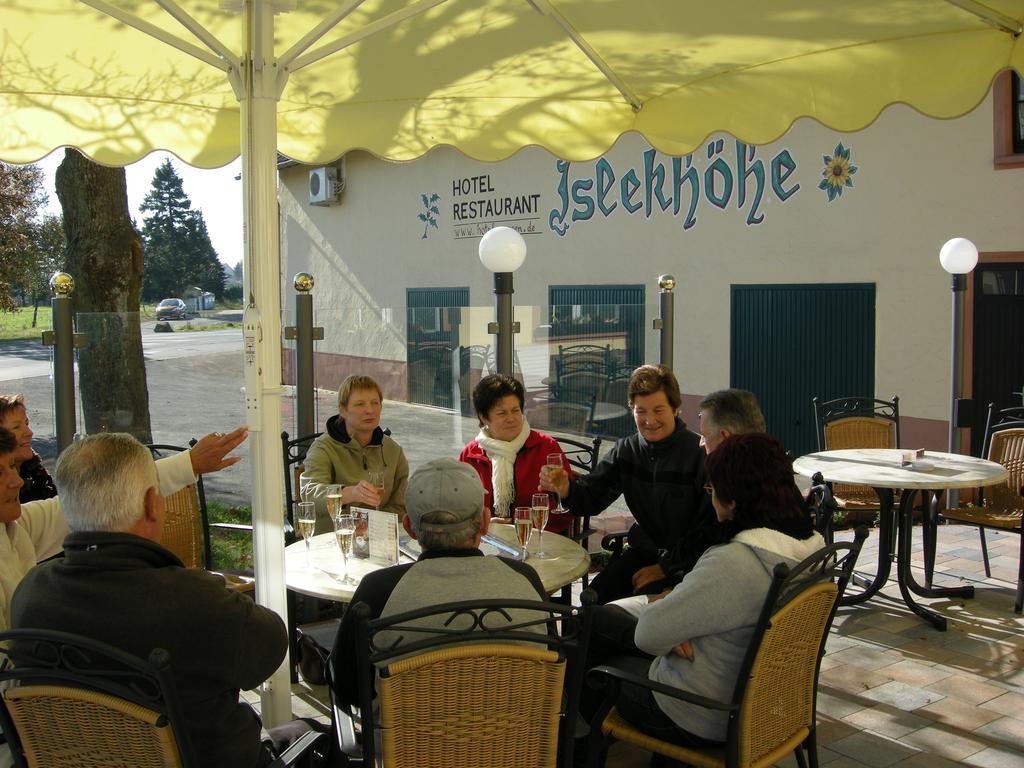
(502, 454)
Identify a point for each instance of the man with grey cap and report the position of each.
(444, 511)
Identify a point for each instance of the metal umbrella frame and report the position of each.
(313, 79)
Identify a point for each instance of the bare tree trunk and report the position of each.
(104, 255)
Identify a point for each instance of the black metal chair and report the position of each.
(1001, 505)
(856, 422)
(67, 700)
(293, 451)
(583, 457)
(772, 710)
(472, 683)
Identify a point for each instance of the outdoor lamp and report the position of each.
(958, 257)
(503, 250)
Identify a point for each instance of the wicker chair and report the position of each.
(112, 708)
(772, 712)
(1002, 505)
(488, 682)
(856, 422)
(187, 527)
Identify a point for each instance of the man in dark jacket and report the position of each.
(660, 473)
(117, 584)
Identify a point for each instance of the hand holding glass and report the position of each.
(305, 522)
(540, 509)
(376, 478)
(344, 532)
(524, 524)
(554, 469)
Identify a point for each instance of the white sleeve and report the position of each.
(44, 523)
(175, 472)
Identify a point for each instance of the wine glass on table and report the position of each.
(344, 533)
(554, 468)
(540, 509)
(306, 523)
(524, 524)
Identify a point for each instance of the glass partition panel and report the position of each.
(188, 383)
(26, 370)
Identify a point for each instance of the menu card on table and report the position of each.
(382, 532)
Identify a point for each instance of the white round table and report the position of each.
(881, 469)
(567, 562)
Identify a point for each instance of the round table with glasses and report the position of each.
(567, 562)
(883, 470)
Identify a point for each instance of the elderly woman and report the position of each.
(698, 633)
(506, 453)
(353, 446)
(37, 483)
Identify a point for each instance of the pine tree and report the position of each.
(178, 253)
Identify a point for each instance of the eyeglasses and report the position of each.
(709, 489)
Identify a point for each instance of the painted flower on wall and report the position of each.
(430, 213)
(837, 173)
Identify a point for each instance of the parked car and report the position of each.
(171, 309)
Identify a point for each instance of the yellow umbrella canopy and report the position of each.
(398, 77)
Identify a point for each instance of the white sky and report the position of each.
(215, 192)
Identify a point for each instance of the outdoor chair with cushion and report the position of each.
(187, 527)
(70, 701)
(856, 422)
(474, 683)
(772, 711)
(1001, 505)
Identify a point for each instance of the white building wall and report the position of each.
(918, 182)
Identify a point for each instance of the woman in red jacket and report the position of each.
(507, 454)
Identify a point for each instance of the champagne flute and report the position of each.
(344, 532)
(306, 523)
(524, 523)
(540, 509)
(334, 504)
(376, 478)
(555, 469)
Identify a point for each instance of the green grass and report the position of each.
(18, 324)
(189, 328)
(231, 550)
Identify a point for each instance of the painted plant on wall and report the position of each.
(430, 213)
(837, 173)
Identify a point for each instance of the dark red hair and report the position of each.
(754, 471)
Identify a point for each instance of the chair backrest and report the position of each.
(293, 451)
(778, 680)
(187, 525)
(105, 701)
(1004, 444)
(580, 455)
(857, 422)
(562, 417)
(485, 682)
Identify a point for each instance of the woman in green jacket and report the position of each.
(353, 446)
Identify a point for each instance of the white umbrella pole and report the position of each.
(263, 340)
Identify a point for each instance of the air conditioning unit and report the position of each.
(326, 184)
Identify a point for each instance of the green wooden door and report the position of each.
(791, 343)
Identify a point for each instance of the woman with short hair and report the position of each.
(506, 453)
(352, 446)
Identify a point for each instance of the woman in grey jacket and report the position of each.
(698, 633)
